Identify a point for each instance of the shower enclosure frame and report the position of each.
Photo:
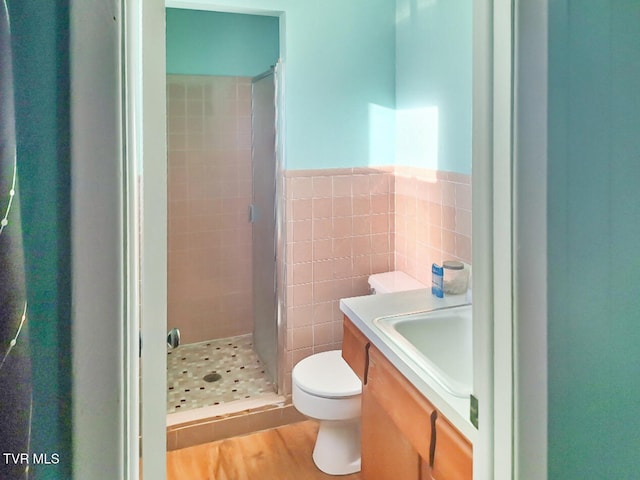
(281, 224)
(279, 230)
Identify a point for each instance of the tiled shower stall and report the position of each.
(210, 243)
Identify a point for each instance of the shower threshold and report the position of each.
(225, 409)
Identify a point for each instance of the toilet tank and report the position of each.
(396, 281)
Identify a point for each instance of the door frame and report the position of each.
(104, 407)
(146, 217)
(145, 54)
(145, 26)
(494, 270)
(530, 145)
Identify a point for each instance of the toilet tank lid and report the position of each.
(326, 374)
(396, 281)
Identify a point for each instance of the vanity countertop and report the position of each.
(362, 311)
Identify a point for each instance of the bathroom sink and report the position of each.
(438, 343)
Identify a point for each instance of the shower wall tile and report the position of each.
(209, 190)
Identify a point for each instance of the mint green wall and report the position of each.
(339, 78)
(349, 65)
(341, 61)
(214, 43)
(593, 239)
(433, 79)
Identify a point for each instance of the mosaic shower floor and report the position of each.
(232, 368)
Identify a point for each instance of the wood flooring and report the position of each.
(282, 453)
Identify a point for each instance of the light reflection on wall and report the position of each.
(382, 128)
(417, 137)
(406, 137)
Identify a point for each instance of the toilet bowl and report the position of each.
(326, 389)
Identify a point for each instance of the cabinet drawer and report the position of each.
(453, 453)
(406, 407)
(354, 349)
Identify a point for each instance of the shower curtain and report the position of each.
(15, 365)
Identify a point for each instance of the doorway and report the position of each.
(222, 219)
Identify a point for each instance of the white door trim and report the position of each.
(147, 212)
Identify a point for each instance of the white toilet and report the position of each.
(396, 281)
(326, 389)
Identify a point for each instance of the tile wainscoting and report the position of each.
(345, 224)
(339, 231)
(432, 220)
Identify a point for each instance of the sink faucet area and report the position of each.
(438, 342)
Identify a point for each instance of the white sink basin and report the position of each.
(438, 343)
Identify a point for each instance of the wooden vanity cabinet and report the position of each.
(403, 435)
(355, 348)
(401, 402)
(386, 453)
(453, 453)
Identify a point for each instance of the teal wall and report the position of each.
(593, 239)
(214, 43)
(40, 43)
(339, 76)
(434, 83)
(340, 67)
(348, 66)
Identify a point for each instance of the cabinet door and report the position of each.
(404, 404)
(386, 452)
(453, 454)
(354, 349)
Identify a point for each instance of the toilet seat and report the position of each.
(326, 375)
